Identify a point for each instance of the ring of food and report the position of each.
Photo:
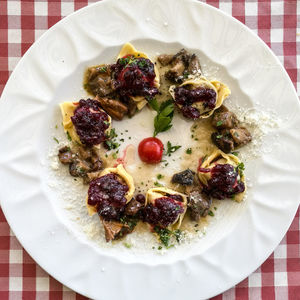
(124, 88)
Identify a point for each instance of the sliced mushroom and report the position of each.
(112, 229)
(223, 141)
(79, 168)
(65, 155)
(185, 177)
(84, 152)
(198, 204)
(98, 80)
(241, 136)
(90, 176)
(132, 107)
(116, 109)
(133, 207)
(165, 59)
(179, 65)
(194, 65)
(223, 118)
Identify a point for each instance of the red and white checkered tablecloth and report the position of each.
(276, 22)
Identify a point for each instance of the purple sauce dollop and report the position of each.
(107, 193)
(163, 213)
(90, 122)
(223, 182)
(186, 97)
(134, 77)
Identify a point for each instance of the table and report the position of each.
(23, 22)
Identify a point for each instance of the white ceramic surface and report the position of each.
(51, 72)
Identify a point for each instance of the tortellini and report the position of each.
(159, 192)
(125, 178)
(67, 111)
(222, 186)
(128, 49)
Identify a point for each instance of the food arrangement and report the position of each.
(120, 90)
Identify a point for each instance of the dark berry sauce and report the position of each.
(186, 97)
(223, 182)
(107, 193)
(90, 122)
(134, 77)
(163, 213)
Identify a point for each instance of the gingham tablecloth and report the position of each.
(22, 22)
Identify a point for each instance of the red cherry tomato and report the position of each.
(151, 150)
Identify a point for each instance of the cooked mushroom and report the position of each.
(112, 229)
(223, 141)
(194, 65)
(230, 134)
(116, 109)
(179, 65)
(65, 155)
(185, 177)
(133, 207)
(131, 108)
(79, 168)
(90, 176)
(198, 204)
(241, 136)
(165, 59)
(223, 118)
(98, 80)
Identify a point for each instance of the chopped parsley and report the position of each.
(56, 126)
(165, 112)
(159, 176)
(235, 153)
(171, 149)
(188, 151)
(111, 141)
(240, 168)
(114, 155)
(103, 69)
(165, 236)
(219, 123)
(127, 245)
(219, 136)
(69, 137)
(211, 213)
(156, 183)
(56, 140)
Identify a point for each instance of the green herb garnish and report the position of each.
(240, 168)
(165, 112)
(219, 123)
(103, 69)
(188, 151)
(211, 213)
(111, 142)
(156, 183)
(165, 235)
(171, 149)
(159, 176)
(69, 137)
(127, 245)
(56, 140)
(235, 153)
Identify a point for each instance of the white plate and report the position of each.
(51, 72)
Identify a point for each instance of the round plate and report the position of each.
(51, 72)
